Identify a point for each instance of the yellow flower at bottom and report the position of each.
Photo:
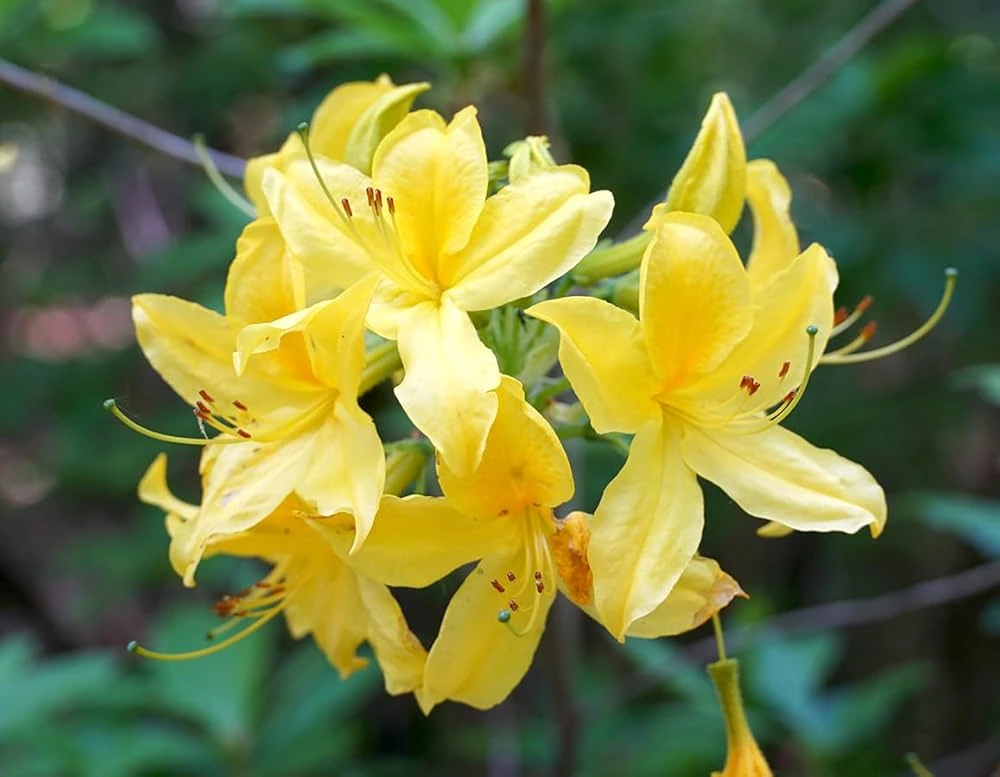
(315, 588)
(743, 756)
(502, 515)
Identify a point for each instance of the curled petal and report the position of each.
(602, 352)
(775, 241)
(778, 476)
(397, 650)
(449, 383)
(530, 233)
(645, 531)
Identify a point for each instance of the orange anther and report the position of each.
(243, 433)
(512, 605)
(391, 203)
(868, 331)
(784, 369)
(496, 584)
(239, 405)
(206, 396)
(840, 316)
(511, 576)
(866, 302)
(346, 205)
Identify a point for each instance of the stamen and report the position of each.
(513, 605)
(792, 398)
(239, 405)
(867, 332)
(842, 322)
(497, 585)
(206, 396)
(784, 369)
(346, 205)
(223, 186)
(511, 576)
(137, 649)
(135, 426)
(951, 278)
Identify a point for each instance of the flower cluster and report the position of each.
(386, 246)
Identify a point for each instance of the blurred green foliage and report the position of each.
(894, 164)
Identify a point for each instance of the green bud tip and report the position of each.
(951, 272)
(303, 128)
(504, 616)
(812, 330)
(132, 646)
(109, 404)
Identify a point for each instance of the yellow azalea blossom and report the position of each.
(346, 126)
(743, 755)
(502, 516)
(443, 249)
(287, 417)
(316, 589)
(703, 379)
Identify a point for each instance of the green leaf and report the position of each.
(984, 378)
(490, 20)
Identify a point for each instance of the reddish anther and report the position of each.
(346, 205)
(840, 316)
(201, 409)
(539, 586)
(391, 204)
(206, 396)
(789, 396)
(784, 369)
(868, 332)
(243, 433)
(239, 405)
(866, 302)
(511, 576)
(370, 192)
(496, 584)
(512, 605)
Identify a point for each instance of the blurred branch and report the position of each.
(114, 119)
(807, 82)
(857, 612)
(534, 66)
(817, 74)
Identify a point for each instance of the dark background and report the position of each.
(894, 163)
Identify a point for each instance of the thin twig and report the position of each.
(114, 119)
(534, 66)
(857, 612)
(808, 81)
(814, 76)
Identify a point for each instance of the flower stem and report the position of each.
(613, 260)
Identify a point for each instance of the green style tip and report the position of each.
(812, 330)
(504, 616)
(109, 404)
(132, 646)
(951, 272)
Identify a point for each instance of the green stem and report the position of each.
(380, 363)
(613, 260)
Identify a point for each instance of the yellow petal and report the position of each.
(375, 123)
(602, 352)
(778, 476)
(153, 490)
(330, 608)
(437, 176)
(774, 352)
(775, 241)
(523, 465)
(530, 233)
(701, 591)
(695, 304)
(450, 377)
(259, 285)
(712, 179)
(476, 659)
(397, 650)
(191, 347)
(332, 248)
(417, 540)
(343, 467)
(645, 531)
(253, 175)
(333, 331)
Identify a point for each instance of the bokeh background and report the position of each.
(894, 163)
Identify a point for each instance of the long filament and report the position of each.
(951, 278)
(139, 650)
(112, 405)
(223, 186)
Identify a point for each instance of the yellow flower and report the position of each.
(442, 249)
(290, 419)
(316, 589)
(347, 126)
(702, 379)
(502, 515)
(743, 756)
